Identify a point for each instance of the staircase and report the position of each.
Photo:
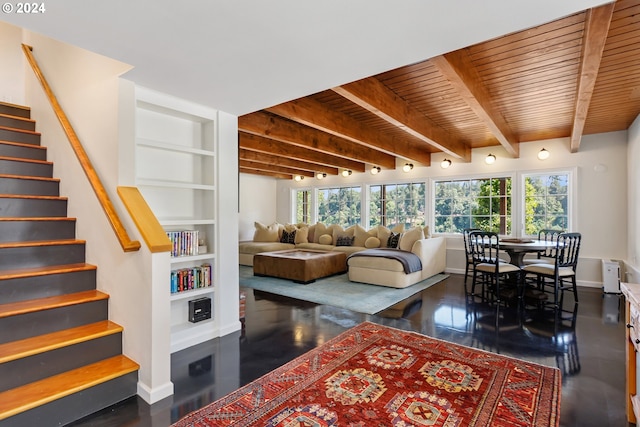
(60, 356)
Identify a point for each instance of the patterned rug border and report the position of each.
(195, 418)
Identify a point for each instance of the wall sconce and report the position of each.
(298, 178)
(543, 154)
(408, 167)
(490, 159)
(375, 170)
(321, 175)
(445, 163)
(346, 173)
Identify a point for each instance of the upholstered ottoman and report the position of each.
(299, 265)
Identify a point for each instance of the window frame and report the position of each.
(494, 175)
(425, 181)
(572, 195)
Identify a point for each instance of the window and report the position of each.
(391, 204)
(339, 206)
(546, 202)
(303, 206)
(483, 203)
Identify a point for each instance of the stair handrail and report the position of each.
(127, 244)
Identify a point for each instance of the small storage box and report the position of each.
(199, 309)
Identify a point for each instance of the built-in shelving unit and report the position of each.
(176, 173)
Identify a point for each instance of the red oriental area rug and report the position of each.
(373, 375)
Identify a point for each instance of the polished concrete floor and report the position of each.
(590, 351)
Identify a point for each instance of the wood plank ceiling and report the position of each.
(575, 76)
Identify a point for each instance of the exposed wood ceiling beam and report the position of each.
(280, 129)
(460, 72)
(271, 168)
(596, 29)
(266, 145)
(261, 172)
(374, 96)
(314, 114)
(270, 159)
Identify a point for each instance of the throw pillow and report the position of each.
(338, 231)
(325, 239)
(312, 234)
(288, 236)
(372, 242)
(320, 230)
(344, 240)
(426, 232)
(408, 238)
(361, 235)
(383, 234)
(394, 239)
(266, 233)
(302, 235)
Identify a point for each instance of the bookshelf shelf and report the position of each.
(194, 293)
(176, 171)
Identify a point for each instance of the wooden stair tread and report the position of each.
(21, 144)
(35, 178)
(11, 116)
(20, 399)
(30, 132)
(59, 242)
(9, 104)
(24, 160)
(44, 271)
(48, 303)
(39, 344)
(30, 196)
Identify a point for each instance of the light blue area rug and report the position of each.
(337, 291)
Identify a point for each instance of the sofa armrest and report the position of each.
(433, 254)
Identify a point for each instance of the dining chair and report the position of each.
(559, 275)
(467, 252)
(546, 235)
(488, 269)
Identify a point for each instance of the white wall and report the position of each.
(87, 87)
(257, 203)
(633, 179)
(601, 208)
(12, 70)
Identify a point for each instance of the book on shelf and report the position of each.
(183, 243)
(186, 279)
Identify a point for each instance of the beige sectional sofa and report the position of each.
(366, 269)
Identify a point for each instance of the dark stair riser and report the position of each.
(26, 288)
(28, 325)
(35, 230)
(78, 405)
(11, 110)
(16, 207)
(18, 136)
(34, 368)
(29, 187)
(22, 152)
(13, 122)
(41, 256)
(16, 167)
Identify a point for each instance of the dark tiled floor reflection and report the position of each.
(590, 352)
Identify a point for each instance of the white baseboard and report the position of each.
(156, 394)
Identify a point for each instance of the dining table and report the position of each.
(517, 248)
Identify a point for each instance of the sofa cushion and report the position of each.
(315, 246)
(302, 235)
(325, 239)
(266, 233)
(372, 242)
(361, 235)
(393, 240)
(257, 247)
(383, 233)
(319, 230)
(408, 238)
(345, 240)
(288, 236)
